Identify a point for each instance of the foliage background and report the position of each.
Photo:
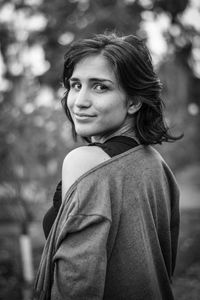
(34, 133)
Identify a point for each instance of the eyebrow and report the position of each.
(72, 79)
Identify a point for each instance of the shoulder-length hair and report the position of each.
(132, 64)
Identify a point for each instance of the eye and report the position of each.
(75, 85)
(99, 87)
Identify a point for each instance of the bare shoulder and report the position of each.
(79, 161)
(85, 157)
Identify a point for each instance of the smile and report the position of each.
(83, 116)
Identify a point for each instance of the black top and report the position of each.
(112, 147)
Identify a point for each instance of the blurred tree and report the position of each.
(174, 8)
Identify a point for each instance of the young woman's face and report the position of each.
(96, 102)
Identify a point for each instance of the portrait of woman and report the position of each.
(112, 231)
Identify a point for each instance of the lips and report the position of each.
(81, 116)
(84, 115)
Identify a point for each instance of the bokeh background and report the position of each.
(35, 135)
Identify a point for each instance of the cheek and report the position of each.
(116, 107)
(69, 101)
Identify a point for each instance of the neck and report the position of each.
(126, 130)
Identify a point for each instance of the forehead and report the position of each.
(94, 66)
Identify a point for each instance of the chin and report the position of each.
(84, 133)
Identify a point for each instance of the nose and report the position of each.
(82, 98)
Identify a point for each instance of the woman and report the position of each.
(114, 236)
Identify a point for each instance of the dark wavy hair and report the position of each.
(132, 64)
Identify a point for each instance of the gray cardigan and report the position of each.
(116, 233)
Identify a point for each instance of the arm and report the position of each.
(81, 259)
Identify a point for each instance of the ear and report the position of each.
(134, 107)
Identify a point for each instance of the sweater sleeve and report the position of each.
(80, 260)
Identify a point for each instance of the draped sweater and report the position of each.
(116, 233)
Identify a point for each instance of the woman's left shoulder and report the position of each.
(85, 157)
(79, 161)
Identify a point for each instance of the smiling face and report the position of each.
(97, 104)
